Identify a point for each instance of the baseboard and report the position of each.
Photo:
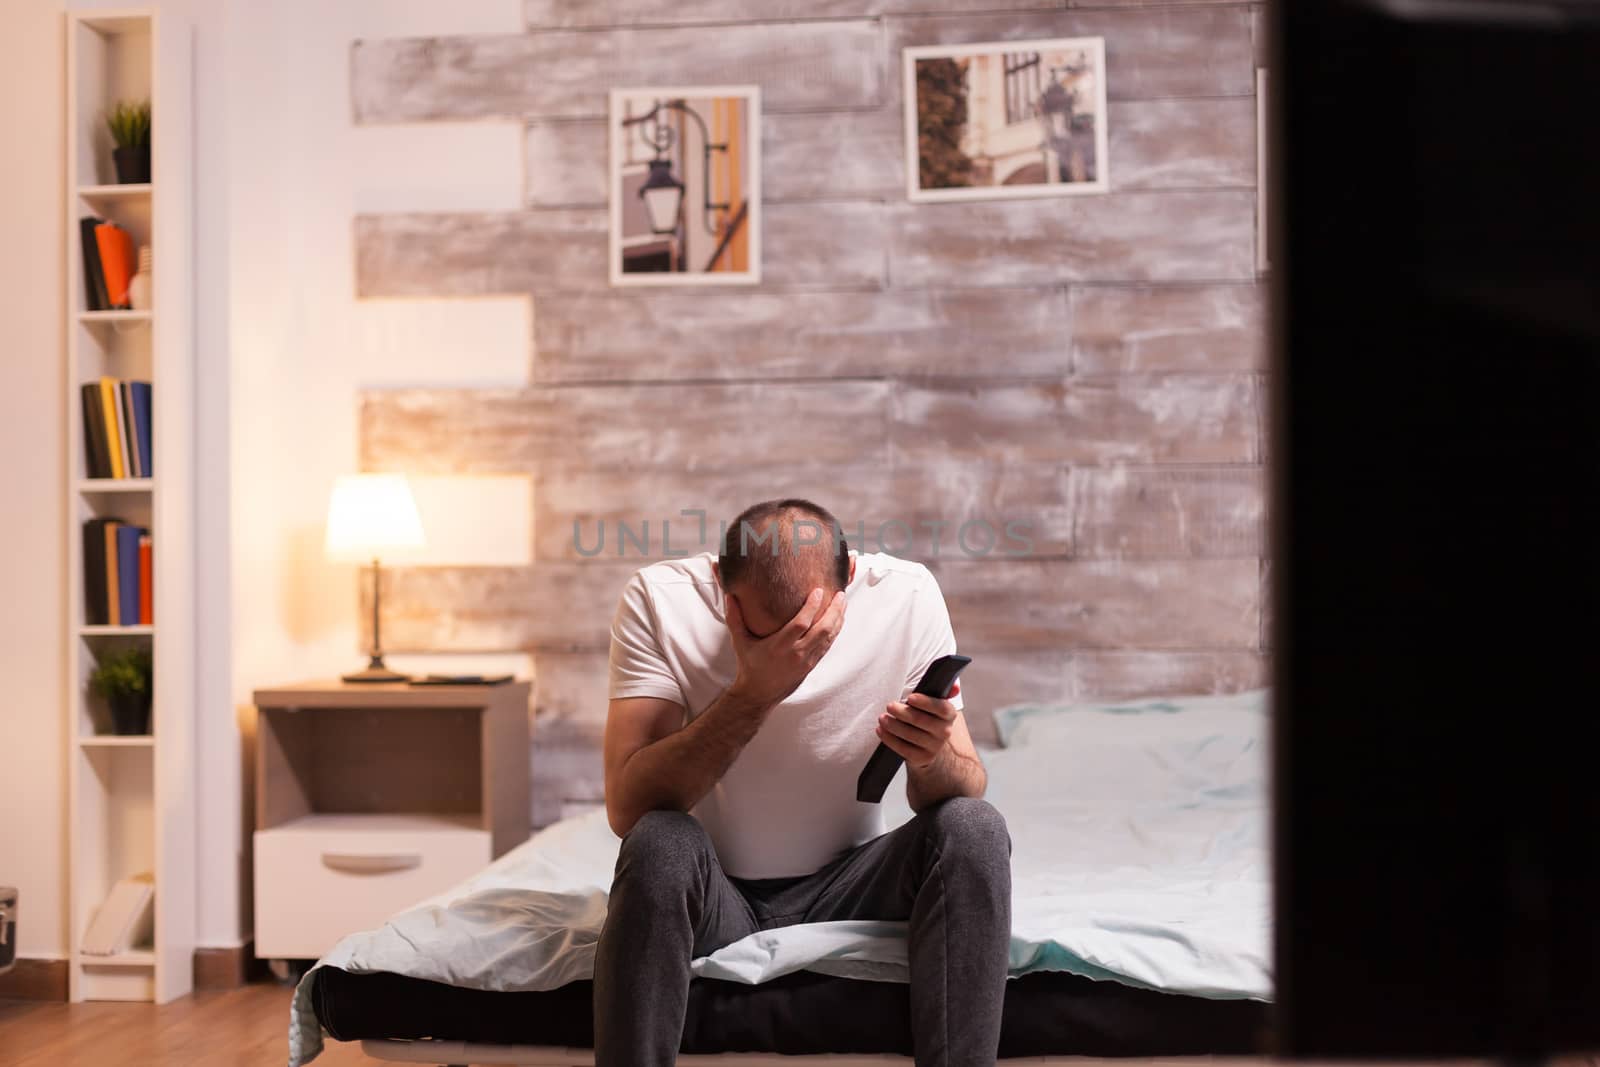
(228, 967)
(35, 980)
(214, 968)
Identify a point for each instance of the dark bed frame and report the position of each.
(844, 1021)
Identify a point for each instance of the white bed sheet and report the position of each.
(1139, 857)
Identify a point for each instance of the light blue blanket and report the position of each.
(1139, 857)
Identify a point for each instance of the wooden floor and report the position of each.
(246, 1027)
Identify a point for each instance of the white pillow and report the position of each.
(1170, 754)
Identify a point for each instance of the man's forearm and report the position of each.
(952, 774)
(676, 771)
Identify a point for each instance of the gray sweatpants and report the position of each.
(948, 871)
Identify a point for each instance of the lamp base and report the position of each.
(375, 671)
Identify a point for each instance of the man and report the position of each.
(747, 693)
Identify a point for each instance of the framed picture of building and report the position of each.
(1006, 119)
(685, 186)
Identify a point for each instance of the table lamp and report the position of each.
(370, 515)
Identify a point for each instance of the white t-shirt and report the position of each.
(788, 803)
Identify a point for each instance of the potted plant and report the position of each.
(129, 122)
(123, 679)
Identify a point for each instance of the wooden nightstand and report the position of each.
(370, 798)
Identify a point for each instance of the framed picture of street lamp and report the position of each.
(686, 186)
(1006, 119)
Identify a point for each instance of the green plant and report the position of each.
(129, 121)
(125, 673)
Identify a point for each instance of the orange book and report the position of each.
(114, 432)
(113, 596)
(146, 589)
(116, 261)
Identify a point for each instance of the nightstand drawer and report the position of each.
(321, 877)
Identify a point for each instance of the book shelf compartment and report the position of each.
(118, 790)
(112, 345)
(114, 61)
(102, 980)
(127, 505)
(93, 726)
(115, 838)
(133, 214)
(124, 425)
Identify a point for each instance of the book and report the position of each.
(125, 404)
(94, 280)
(124, 430)
(94, 573)
(142, 410)
(147, 592)
(113, 607)
(116, 262)
(96, 457)
(125, 415)
(113, 426)
(125, 919)
(128, 574)
(460, 679)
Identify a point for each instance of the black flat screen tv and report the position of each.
(1435, 470)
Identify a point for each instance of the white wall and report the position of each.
(302, 344)
(33, 737)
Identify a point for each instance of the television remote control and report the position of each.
(937, 681)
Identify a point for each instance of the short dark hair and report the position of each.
(778, 565)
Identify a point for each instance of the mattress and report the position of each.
(1139, 868)
(804, 1013)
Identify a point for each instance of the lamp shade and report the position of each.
(371, 515)
(662, 193)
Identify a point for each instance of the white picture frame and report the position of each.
(716, 241)
(1008, 96)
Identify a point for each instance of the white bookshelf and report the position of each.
(132, 804)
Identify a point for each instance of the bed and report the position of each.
(1140, 922)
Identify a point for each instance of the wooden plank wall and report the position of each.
(1091, 366)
